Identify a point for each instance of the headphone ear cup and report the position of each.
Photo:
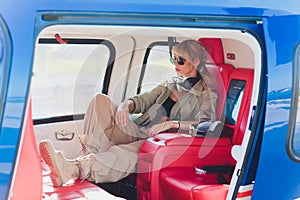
(178, 80)
(186, 84)
(183, 84)
(179, 87)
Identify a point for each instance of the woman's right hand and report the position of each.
(122, 114)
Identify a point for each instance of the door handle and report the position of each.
(64, 135)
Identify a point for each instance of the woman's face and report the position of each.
(184, 67)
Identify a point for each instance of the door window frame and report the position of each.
(106, 79)
(293, 154)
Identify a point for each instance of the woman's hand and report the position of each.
(122, 114)
(158, 128)
(164, 126)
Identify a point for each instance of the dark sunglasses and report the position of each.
(179, 60)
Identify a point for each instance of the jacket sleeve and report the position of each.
(208, 106)
(144, 101)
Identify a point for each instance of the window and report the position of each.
(293, 144)
(157, 66)
(233, 100)
(66, 76)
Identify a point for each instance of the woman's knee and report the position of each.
(99, 97)
(103, 101)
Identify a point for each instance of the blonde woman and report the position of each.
(111, 142)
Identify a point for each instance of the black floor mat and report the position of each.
(125, 188)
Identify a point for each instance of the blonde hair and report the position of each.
(192, 51)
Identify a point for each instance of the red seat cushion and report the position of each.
(77, 189)
(185, 183)
(211, 192)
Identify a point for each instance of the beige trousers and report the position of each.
(110, 152)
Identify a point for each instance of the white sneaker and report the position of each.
(62, 170)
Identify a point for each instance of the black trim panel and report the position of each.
(58, 119)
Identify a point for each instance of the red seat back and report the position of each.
(230, 76)
(217, 69)
(215, 50)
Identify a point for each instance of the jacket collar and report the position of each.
(196, 90)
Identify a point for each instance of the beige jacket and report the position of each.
(199, 104)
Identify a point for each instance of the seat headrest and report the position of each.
(214, 49)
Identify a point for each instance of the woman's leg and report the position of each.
(100, 131)
(116, 163)
(112, 150)
(62, 170)
(105, 150)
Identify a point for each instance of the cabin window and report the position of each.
(156, 67)
(66, 76)
(233, 100)
(294, 122)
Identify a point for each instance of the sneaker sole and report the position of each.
(47, 153)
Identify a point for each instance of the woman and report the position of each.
(111, 142)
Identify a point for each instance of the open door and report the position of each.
(278, 172)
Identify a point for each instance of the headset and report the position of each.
(185, 83)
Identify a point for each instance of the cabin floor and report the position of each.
(125, 188)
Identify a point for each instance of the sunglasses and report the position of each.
(179, 60)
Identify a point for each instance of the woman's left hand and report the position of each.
(158, 128)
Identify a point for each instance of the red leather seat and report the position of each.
(215, 51)
(185, 181)
(192, 185)
(172, 150)
(217, 69)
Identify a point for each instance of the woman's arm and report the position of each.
(181, 126)
(144, 101)
(137, 104)
(123, 111)
(131, 105)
